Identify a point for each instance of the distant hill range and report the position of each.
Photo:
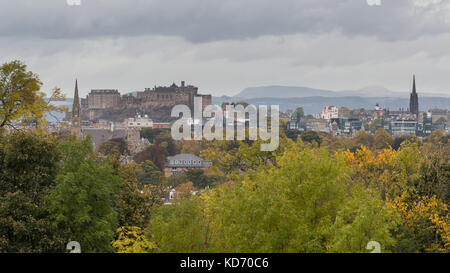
(302, 92)
(313, 100)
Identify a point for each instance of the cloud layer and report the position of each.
(213, 20)
(225, 46)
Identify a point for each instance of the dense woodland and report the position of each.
(316, 193)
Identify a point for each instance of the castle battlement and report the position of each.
(105, 91)
(155, 102)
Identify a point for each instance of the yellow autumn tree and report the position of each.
(424, 224)
(132, 240)
(20, 97)
(388, 171)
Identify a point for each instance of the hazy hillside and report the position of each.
(283, 92)
(313, 105)
(302, 92)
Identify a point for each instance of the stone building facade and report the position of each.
(132, 137)
(103, 99)
(155, 102)
(171, 96)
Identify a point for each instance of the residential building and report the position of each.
(328, 113)
(403, 126)
(139, 122)
(181, 162)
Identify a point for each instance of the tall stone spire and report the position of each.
(76, 113)
(414, 100)
(76, 109)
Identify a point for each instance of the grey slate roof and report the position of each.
(186, 161)
(99, 136)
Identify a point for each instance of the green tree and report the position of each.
(311, 136)
(149, 174)
(177, 179)
(299, 113)
(179, 227)
(28, 167)
(184, 191)
(364, 139)
(303, 204)
(192, 146)
(168, 143)
(293, 134)
(435, 172)
(151, 134)
(197, 177)
(155, 153)
(398, 141)
(115, 145)
(82, 200)
(383, 139)
(134, 201)
(234, 157)
(437, 137)
(375, 124)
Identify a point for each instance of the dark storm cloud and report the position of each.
(214, 20)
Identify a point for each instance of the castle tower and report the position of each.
(414, 100)
(76, 114)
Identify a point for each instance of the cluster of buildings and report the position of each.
(102, 130)
(343, 121)
(83, 124)
(97, 115)
(105, 115)
(109, 104)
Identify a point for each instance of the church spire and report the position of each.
(76, 109)
(76, 113)
(76, 89)
(414, 100)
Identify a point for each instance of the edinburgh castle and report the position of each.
(155, 102)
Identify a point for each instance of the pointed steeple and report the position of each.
(76, 109)
(76, 113)
(76, 90)
(414, 99)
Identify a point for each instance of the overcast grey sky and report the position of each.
(224, 46)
